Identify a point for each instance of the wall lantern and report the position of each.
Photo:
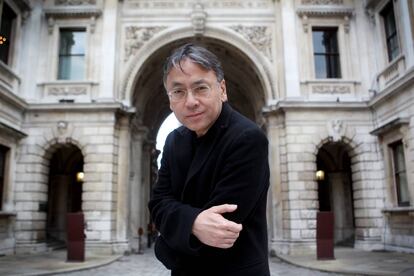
(80, 176)
(320, 175)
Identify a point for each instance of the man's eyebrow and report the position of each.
(176, 83)
(200, 81)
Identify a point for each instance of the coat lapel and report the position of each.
(208, 144)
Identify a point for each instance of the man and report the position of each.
(209, 203)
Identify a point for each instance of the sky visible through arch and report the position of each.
(169, 124)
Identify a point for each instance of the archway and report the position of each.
(335, 190)
(246, 94)
(64, 190)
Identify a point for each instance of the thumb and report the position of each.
(224, 208)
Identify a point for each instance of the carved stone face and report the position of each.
(197, 114)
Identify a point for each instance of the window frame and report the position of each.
(328, 55)
(397, 171)
(387, 37)
(4, 151)
(389, 133)
(72, 29)
(14, 33)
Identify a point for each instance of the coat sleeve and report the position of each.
(244, 179)
(173, 219)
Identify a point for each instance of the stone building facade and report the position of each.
(330, 81)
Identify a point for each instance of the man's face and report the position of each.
(196, 111)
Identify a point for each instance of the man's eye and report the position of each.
(178, 92)
(201, 89)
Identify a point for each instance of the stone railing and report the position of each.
(394, 70)
(8, 79)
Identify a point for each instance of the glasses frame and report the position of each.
(193, 91)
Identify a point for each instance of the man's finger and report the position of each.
(233, 227)
(224, 208)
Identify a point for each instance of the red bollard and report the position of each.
(325, 236)
(75, 237)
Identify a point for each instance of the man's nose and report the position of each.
(190, 100)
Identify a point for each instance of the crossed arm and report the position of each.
(218, 224)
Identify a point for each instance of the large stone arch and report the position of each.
(249, 85)
(262, 65)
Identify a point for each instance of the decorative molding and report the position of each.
(259, 36)
(336, 129)
(331, 89)
(322, 2)
(67, 90)
(188, 4)
(198, 19)
(135, 38)
(306, 12)
(74, 2)
(70, 12)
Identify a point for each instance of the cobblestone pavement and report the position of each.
(147, 265)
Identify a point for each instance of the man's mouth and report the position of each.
(194, 115)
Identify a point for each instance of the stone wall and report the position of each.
(97, 140)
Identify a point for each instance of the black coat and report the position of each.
(229, 164)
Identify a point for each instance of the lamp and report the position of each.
(80, 176)
(320, 175)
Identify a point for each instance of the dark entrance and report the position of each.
(335, 190)
(64, 190)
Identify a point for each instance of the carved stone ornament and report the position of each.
(259, 36)
(330, 89)
(336, 129)
(185, 4)
(74, 2)
(135, 37)
(67, 91)
(62, 127)
(198, 19)
(63, 132)
(322, 2)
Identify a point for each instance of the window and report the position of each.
(326, 53)
(8, 18)
(72, 54)
(400, 175)
(390, 29)
(3, 152)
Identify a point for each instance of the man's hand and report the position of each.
(212, 229)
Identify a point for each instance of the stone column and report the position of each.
(291, 61)
(275, 210)
(123, 183)
(138, 137)
(109, 49)
(149, 146)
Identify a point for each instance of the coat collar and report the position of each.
(207, 142)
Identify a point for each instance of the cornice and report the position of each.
(286, 105)
(12, 132)
(76, 107)
(325, 11)
(62, 12)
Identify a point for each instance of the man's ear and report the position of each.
(223, 92)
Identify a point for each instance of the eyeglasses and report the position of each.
(199, 92)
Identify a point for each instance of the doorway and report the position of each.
(335, 192)
(64, 190)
